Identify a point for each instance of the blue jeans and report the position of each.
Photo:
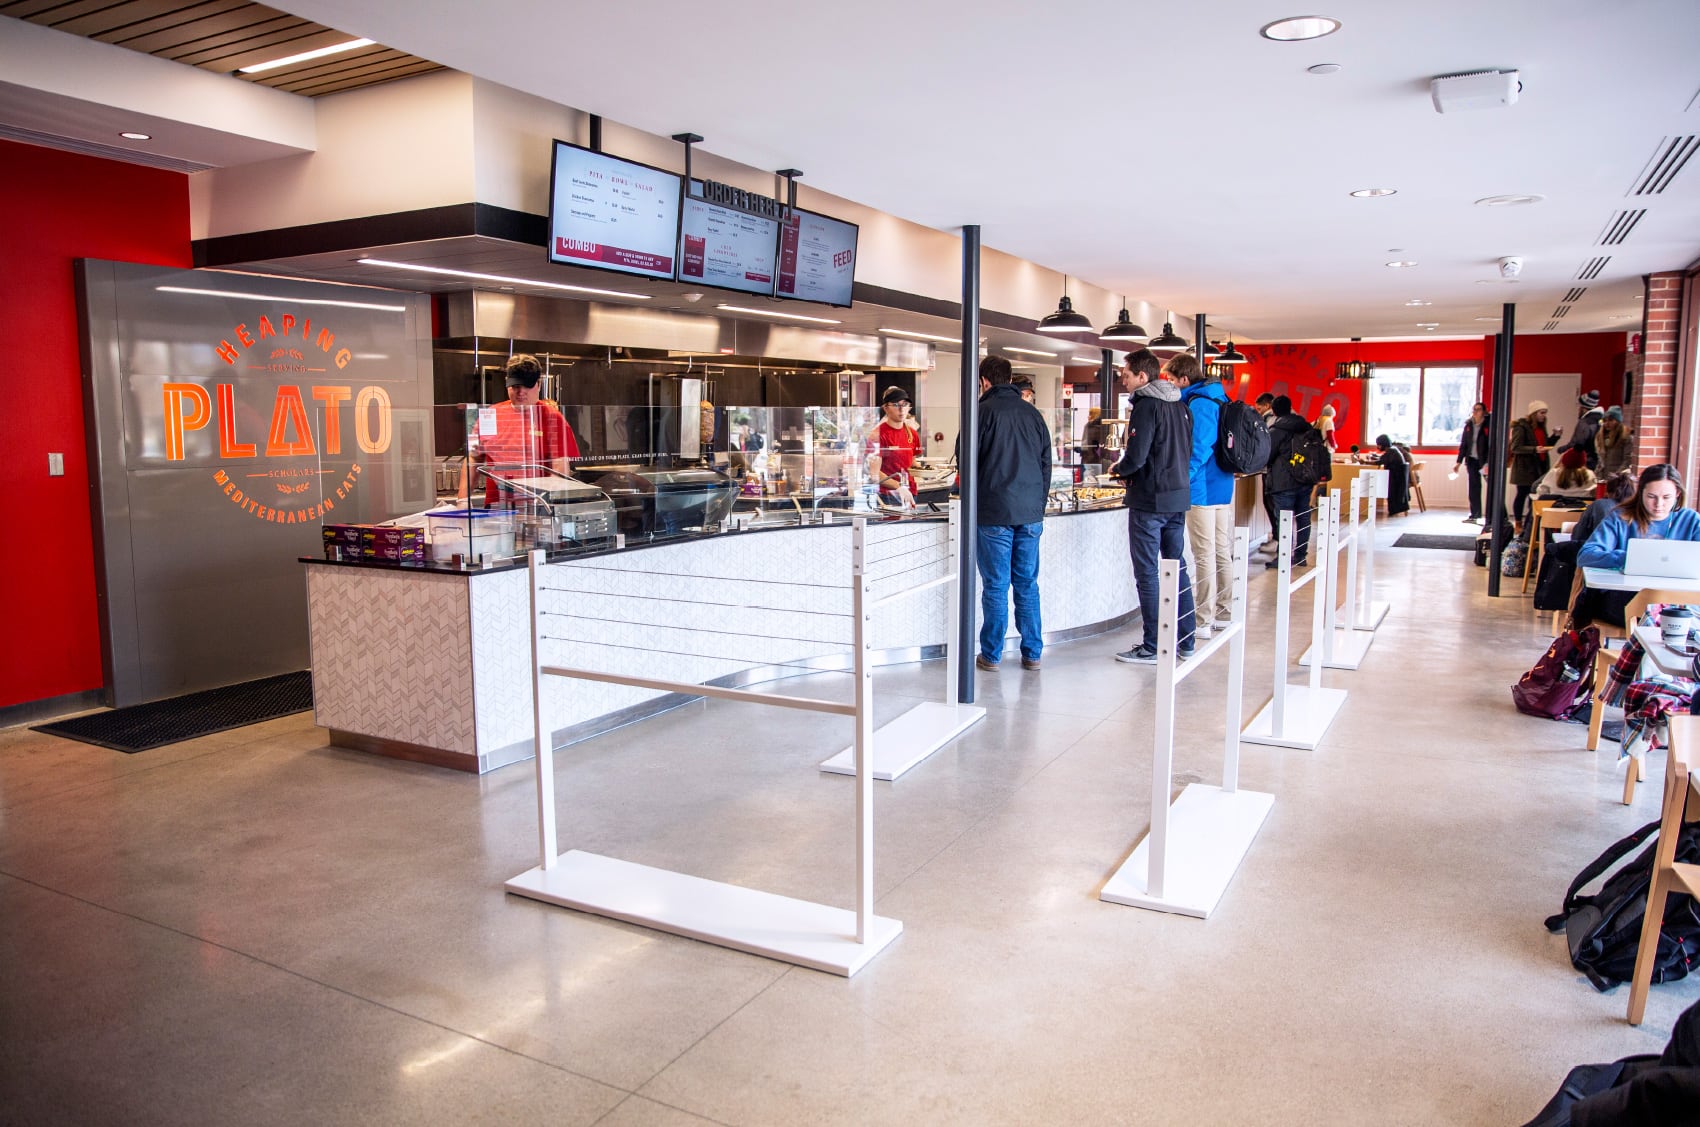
(1297, 502)
(1009, 554)
(1151, 537)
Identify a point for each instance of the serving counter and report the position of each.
(434, 665)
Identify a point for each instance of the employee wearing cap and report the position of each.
(529, 433)
(893, 446)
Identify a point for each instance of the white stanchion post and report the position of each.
(1163, 749)
(1342, 646)
(1283, 622)
(545, 757)
(1372, 612)
(953, 611)
(861, 617)
(1236, 666)
(1298, 715)
(1330, 577)
(1319, 606)
(1349, 604)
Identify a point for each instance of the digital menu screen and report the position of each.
(721, 246)
(817, 258)
(612, 214)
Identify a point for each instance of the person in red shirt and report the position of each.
(530, 433)
(893, 446)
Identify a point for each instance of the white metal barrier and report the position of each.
(797, 931)
(1342, 646)
(1194, 847)
(1296, 715)
(911, 737)
(1366, 612)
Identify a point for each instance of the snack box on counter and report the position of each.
(373, 542)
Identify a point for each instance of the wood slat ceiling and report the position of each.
(223, 36)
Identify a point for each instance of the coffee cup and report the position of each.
(1675, 623)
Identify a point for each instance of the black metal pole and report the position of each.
(1497, 441)
(1106, 385)
(967, 449)
(595, 133)
(1199, 328)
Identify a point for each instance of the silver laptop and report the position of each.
(1672, 559)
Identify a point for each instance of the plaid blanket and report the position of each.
(1646, 701)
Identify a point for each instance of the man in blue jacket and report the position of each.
(1154, 468)
(1013, 479)
(1210, 521)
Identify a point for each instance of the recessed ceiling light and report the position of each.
(1428, 324)
(444, 270)
(1511, 200)
(1027, 351)
(302, 57)
(777, 313)
(1323, 68)
(922, 336)
(136, 136)
(1401, 264)
(1294, 29)
(1374, 193)
(1418, 301)
(1496, 281)
(1488, 318)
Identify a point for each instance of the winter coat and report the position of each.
(1474, 442)
(1528, 464)
(1582, 438)
(1159, 449)
(1211, 484)
(1613, 456)
(1013, 471)
(1284, 433)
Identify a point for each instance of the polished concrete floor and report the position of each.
(255, 928)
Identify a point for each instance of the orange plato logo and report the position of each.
(285, 493)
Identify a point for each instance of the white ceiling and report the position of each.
(1166, 152)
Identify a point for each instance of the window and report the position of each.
(1421, 406)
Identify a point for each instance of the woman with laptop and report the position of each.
(1632, 540)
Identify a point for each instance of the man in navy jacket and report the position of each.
(1154, 467)
(1013, 478)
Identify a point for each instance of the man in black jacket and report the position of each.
(1154, 468)
(1288, 495)
(1473, 452)
(1013, 478)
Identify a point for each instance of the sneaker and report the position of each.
(1223, 623)
(981, 662)
(1031, 664)
(1472, 520)
(1202, 632)
(1273, 563)
(1183, 652)
(1139, 655)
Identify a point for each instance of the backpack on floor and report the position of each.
(1514, 559)
(1310, 462)
(1604, 929)
(1242, 440)
(1562, 680)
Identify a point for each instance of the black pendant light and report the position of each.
(1232, 355)
(1065, 319)
(1211, 352)
(1124, 329)
(1354, 369)
(1167, 340)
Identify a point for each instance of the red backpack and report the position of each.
(1563, 679)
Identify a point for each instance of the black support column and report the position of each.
(1498, 440)
(967, 590)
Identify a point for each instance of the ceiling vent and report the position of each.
(1668, 160)
(1620, 226)
(1575, 294)
(1549, 326)
(1476, 90)
(1591, 268)
(1560, 312)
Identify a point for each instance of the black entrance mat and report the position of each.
(1423, 540)
(161, 722)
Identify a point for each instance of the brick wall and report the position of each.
(1652, 413)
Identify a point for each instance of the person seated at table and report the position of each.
(1655, 512)
(1619, 488)
(1397, 463)
(1570, 478)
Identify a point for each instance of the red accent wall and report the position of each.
(1305, 372)
(59, 207)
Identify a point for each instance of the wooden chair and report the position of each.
(1636, 768)
(1531, 559)
(1681, 804)
(1417, 486)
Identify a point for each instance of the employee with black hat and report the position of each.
(892, 448)
(529, 432)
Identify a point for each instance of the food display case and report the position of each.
(646, 502)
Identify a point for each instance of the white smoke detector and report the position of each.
(1477, 90)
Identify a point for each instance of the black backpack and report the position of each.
(1310, 463)
(1604, 929)
(1242, 439)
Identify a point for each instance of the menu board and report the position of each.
(612, 214)
(721, 246)
(817, 258)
